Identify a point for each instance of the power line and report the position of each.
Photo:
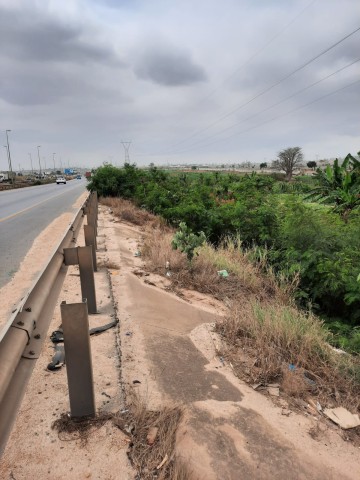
(260, 94)
(277, 103)
(256, 53)
(274, 118)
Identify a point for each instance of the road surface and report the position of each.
(24, 213)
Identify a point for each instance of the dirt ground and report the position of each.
(165, 349)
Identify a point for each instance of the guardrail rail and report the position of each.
(22, 337)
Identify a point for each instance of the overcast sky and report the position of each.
(186, 81)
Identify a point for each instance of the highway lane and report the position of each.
(26, 212)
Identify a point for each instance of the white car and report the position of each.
(60, 180)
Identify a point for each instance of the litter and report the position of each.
(164, 460)
(136, 381)
(342, 417)
(292, 367)
(168, 274)
(129, 428)
(273, 391)
(309, 380)
(58, 359)
(137, 254)
(223, 273)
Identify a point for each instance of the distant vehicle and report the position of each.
(4, 177)
(60, 180)
(78, 177)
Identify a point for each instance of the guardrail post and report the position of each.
(75, 324)
(83, 256)
(90, 240)
(91, 219)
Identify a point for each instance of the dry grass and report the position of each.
(146, 458)
(128, 212)
(244, 277)
(264, 340)
(157, 460)
(71, 429)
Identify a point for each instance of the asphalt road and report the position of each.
(24, 213)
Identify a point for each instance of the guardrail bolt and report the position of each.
(37, 336)
(20, 323)
(31, 352)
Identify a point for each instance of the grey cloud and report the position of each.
(25, 35)
(168, 68)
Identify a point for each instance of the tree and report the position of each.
(288, 160)
(263, 165)
(312, 164)
(339, 185)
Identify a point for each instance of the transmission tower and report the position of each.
(126, 146)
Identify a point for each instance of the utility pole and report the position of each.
(9, 156)
(39, 159)
(54, 161)
(126, 146)
(32, 170)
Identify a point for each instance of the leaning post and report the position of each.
(75, 324)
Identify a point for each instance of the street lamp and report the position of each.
(32, 170)
(54, 160)
(39, 158)
(9, 156)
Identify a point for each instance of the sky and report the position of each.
(186, 82)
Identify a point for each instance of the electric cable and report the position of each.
(266, 90)
(277, 103)
(274, 118)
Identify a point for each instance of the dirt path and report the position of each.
(166, 344)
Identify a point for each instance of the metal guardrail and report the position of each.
(22, 337)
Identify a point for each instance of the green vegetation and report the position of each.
(187, 241)
(307, 229)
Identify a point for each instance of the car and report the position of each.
(78, 177)
(60, 180)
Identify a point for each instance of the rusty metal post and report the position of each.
(92, 220)
(83, 257)
(75, 324)
(90, 240)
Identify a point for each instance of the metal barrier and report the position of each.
(23, 335)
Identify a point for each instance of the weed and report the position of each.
(145, 457)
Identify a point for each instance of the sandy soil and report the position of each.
(167, 344)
